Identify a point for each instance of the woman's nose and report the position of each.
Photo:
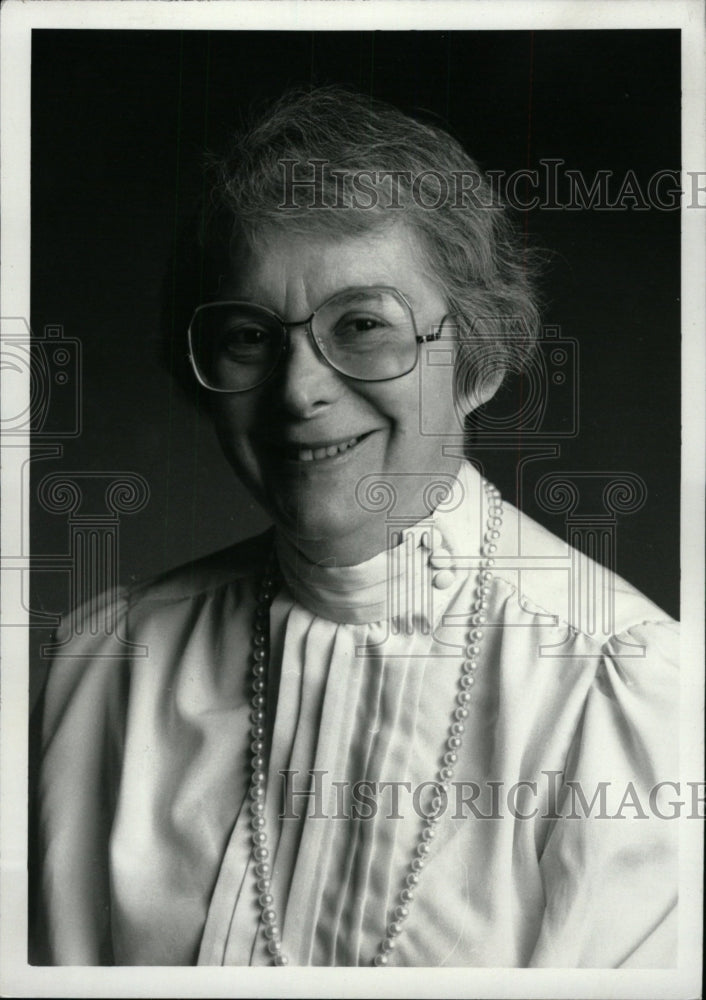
(305, 382)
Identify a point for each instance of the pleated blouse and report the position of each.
(548, 852)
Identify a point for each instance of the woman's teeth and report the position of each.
(329, 451)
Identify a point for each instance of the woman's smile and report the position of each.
(322, 451)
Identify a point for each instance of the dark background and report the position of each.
(119, 122)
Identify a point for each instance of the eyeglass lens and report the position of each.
(367, 334)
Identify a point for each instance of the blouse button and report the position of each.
(440, 558)
(443, 579)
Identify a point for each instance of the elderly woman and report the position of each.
(379, 733)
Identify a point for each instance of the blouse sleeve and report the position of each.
(609, 866)
(83, 724)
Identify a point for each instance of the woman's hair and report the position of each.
(333, 162)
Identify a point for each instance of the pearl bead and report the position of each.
(281, 960)
(443, 579)
(269, 916)
(263, 884)
(428, 833)
(394, 928)
(461, 713)
(258, 701)
(272, 932)
(423, 848)
(463, 697)
(257, 822)
(258, 716)
(258, 684)
(257, 808)
(257, 792)
(417, 864)
(257, 763)
(263, 870)
(477, 634)
(258, 732)
(266, 899)
(412, 879)
(450, 758)
(261, 853)
(468, 666)
(259, 654)
(259, 838)
(401, 912)
(274, 948)
(387, 944)
(467, 681)
(447, 773)
(381, 959)
(453, 743)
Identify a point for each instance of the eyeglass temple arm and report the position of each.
(429, 336)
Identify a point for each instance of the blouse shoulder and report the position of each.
(542, 569)
(97, 642)
(236, 562)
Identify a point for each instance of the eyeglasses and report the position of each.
(367, 334)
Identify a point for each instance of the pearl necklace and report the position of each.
(454, 740)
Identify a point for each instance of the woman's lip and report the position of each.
(321, 452)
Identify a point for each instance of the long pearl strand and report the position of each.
(444, 776)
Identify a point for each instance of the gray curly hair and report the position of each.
(301, 165)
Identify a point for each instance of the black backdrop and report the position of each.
(119, 122)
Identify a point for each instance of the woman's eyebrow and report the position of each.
(362, 293)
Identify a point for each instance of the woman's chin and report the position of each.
(322, 532)
(320, 527)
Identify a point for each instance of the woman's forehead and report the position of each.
(294, 270)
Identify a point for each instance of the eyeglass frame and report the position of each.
(419, 339)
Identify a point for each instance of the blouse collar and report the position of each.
(413, 581)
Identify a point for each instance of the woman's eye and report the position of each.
(244, 336)
(357, 325)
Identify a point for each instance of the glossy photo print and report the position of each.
(349, 458)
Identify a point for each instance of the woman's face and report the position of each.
(273, 435)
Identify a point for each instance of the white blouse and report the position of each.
(145, 825)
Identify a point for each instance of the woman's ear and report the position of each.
(487, 389)
(478, 361)
(477, 388)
